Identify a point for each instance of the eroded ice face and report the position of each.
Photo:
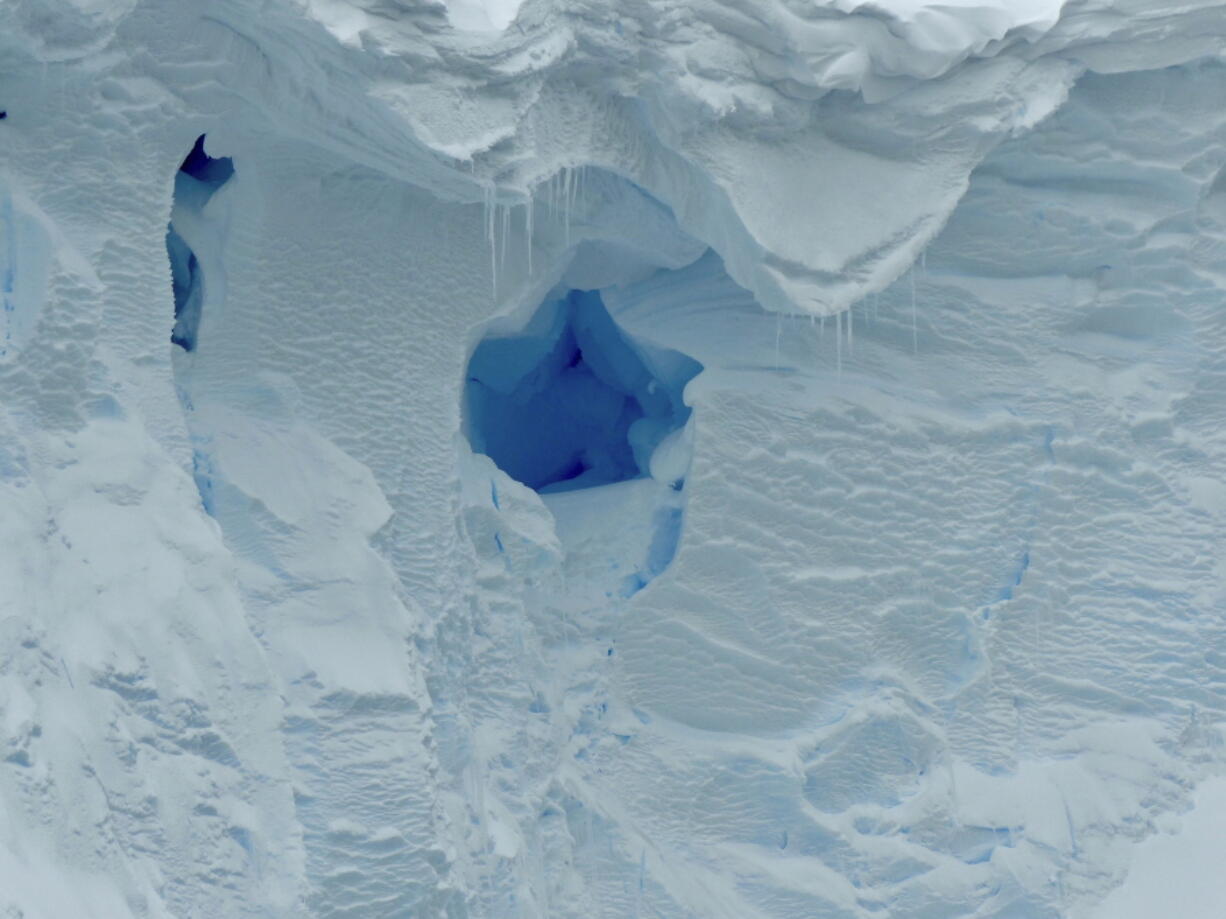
(933, 627)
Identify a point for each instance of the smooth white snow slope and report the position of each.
(912, 606)
(1180, 874)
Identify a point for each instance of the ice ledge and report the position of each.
(817, 148)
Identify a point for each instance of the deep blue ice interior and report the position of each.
(571, 401)
(213, 171)
(199, 177)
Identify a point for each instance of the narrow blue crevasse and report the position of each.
(571, 402)
(198, 179)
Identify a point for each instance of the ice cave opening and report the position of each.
(198, 179)
(594, 420)
(572, 402)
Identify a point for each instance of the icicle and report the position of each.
(579, 185)
(506, 237)
(567, 178)
(914, 319)
(574, 193)
(579, 173)
(838, 347)
(823, 330)
(487, 195)
(529, 219)
(778, 333)
(851, 324)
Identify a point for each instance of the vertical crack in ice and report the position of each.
(193, 241)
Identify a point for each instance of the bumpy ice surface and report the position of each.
(722, 459)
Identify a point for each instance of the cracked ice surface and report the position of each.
(936, 626)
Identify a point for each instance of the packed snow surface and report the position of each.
(699, 459)
(1179, 874)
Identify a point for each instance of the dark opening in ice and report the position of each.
(571, 401)
(212, 171)
(198, 179)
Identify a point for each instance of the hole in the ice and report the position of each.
(198, 179)
(572, 402)
(210, 171)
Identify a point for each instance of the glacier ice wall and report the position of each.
(935, 627)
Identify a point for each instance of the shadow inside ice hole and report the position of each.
(571, 404)
(198, 179)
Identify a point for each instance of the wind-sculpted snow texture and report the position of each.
(911, 604)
